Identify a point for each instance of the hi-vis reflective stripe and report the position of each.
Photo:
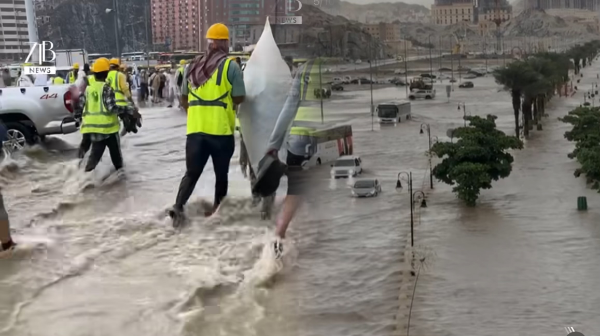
(100, 125)
(202, 102)
(97, 113)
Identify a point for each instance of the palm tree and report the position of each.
(550, 75)
(515, 77)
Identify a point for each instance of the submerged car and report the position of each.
(366, 188)
(466, 85)
(346, 166)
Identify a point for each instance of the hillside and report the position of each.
(530, 23)
(537, 23)
(335, 36)
(376, 12)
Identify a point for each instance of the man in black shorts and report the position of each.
(297, 182)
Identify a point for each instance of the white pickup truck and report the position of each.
(31, 113)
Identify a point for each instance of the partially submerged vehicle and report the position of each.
(418, 83)
(393, 112)
(421, 94)
(346, 166)
(366, 188)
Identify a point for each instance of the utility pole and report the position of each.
(371, 75)
(406, 66)
(116, 12)
(430, 60)
(321, 92)
(147, 36)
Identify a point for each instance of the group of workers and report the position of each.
(212, 87)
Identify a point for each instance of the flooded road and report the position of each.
(521, 261)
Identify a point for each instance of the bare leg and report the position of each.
(290, 206)
(5, 238)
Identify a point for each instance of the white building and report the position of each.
(17, 29)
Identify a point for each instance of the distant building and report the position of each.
(447, 12)
(176, 24)
(15, 30)
(383, 31)
(592, 5)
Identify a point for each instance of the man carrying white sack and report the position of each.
(213, 86)
(297, 176)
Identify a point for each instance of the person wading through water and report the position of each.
(212, 89)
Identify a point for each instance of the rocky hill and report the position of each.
(85, 24)
(530, 23)
(323, 34)
(375, 12)
(537, 23)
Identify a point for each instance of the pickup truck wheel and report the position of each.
(19, 135)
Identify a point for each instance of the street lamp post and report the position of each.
(430, 59)
(410, 192)
(115, 12)
(372, 108)
(147, 36)
(428, 129)
(464, 108)
(406, 66)
(321, 91)
(419, 195)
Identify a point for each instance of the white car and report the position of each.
(32, 112)
(346, 166)
(366, 188)
(422, 94)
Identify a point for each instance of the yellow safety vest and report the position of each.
(211, 108)
(96, 118)
(58, 80)
(91, 79)
(181, 68)
(72, 77)
(113, 81)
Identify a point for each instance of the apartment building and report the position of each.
(15, 30)
(176, 24)
(447, 12)
(592, 5)
(383, 31)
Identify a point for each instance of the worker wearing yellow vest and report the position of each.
(212, 88)
(72, 76)
(99, 113)
(86, 141)
(57, 80)
(118, 82)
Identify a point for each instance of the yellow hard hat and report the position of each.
(75, 65)
(101, 65)
(182, 62)
(218, 31)
(114, 61)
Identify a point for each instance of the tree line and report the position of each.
(535, 79)
(480, 155)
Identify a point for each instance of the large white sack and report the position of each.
(267, 79)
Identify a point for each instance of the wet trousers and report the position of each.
(114, 147)
(84, 146)
(198, 148)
